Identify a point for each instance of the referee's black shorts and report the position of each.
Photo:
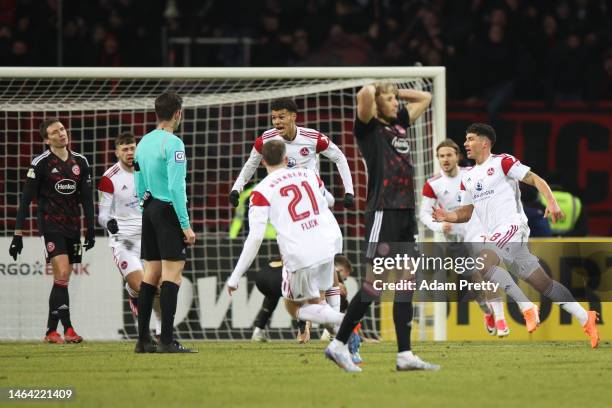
(389, 232)
(162, 235)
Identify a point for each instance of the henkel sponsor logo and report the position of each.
(66, 186)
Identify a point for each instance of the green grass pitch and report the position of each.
(284, 374)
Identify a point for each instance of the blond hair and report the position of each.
(384, 87)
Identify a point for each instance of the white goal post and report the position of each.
(225, 109)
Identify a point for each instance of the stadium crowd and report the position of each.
(494, 50)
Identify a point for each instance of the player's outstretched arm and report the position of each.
(552, 207)
(460, 215)
(418, 102)
(29, 191)
(258, 219)
(333, 152)
(246, 173)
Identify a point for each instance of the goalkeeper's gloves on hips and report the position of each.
(349, 200)
(234, 197)
(112, 226)
(90, 239)
(16, 246)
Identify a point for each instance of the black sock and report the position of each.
(355, 311)
(402, 319)
(267, 308)
(167, 301)
(145, 306)
(53, 318)
(64, 308)
(301, 324)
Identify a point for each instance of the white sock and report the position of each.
(332, 297)
(498, 309)
(337, 343)
(321, 313)
(157, 315)
(507, 284)
(561, 296)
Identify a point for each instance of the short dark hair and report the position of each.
(125, 138)
(448, 143)
(343, 261)
(274, 152)
(284, 103)
(167, 104)
(44, 125)
(482, 129)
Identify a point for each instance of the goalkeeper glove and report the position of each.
(349, 200)
(234, 197)
(16, 246)
(112, 226)
(90, 239)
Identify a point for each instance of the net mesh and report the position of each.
(221, 120)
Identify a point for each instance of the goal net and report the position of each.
(224, 111)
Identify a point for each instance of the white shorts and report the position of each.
(510, 243)
(307, 283)
(126, 253)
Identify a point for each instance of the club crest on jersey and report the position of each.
(65, 186)
(401, 145)
(479, 185)
(76, 170)
(304, 151)
(400, 129)
(179, 157)
(50, 247)
(124, 264)
(490, 171)
(291, 162)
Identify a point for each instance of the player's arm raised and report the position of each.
(418, 102)
(552, 207)
(247, 171)
(330, 150)
(258, 218)
(29, 192)
(366, 103)
(87, 201)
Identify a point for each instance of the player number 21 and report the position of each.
(297, 197)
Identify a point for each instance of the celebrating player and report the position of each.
(60, 180)
(444, 188)
(303, 148)
(308, 235)
(491, 189)
(119, 213)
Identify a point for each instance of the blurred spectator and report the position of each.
(534, 210)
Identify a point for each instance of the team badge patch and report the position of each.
(76, 170)
(490, 171)
(50, 247)
(179, 157)
(31, 174)
(124, 264)
(304, 151)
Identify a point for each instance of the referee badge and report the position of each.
(179, 157)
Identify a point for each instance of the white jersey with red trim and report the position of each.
(302, 152)
(307, 231)
(493, 188)
(446, 191)
(118, 200)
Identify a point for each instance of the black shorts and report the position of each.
(270, 279)
(57, 244)
(162, 235)
(388, 232)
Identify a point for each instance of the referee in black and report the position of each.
(160, 166)
(384, 115)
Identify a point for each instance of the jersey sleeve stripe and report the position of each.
(81, 156)
(38, 158)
